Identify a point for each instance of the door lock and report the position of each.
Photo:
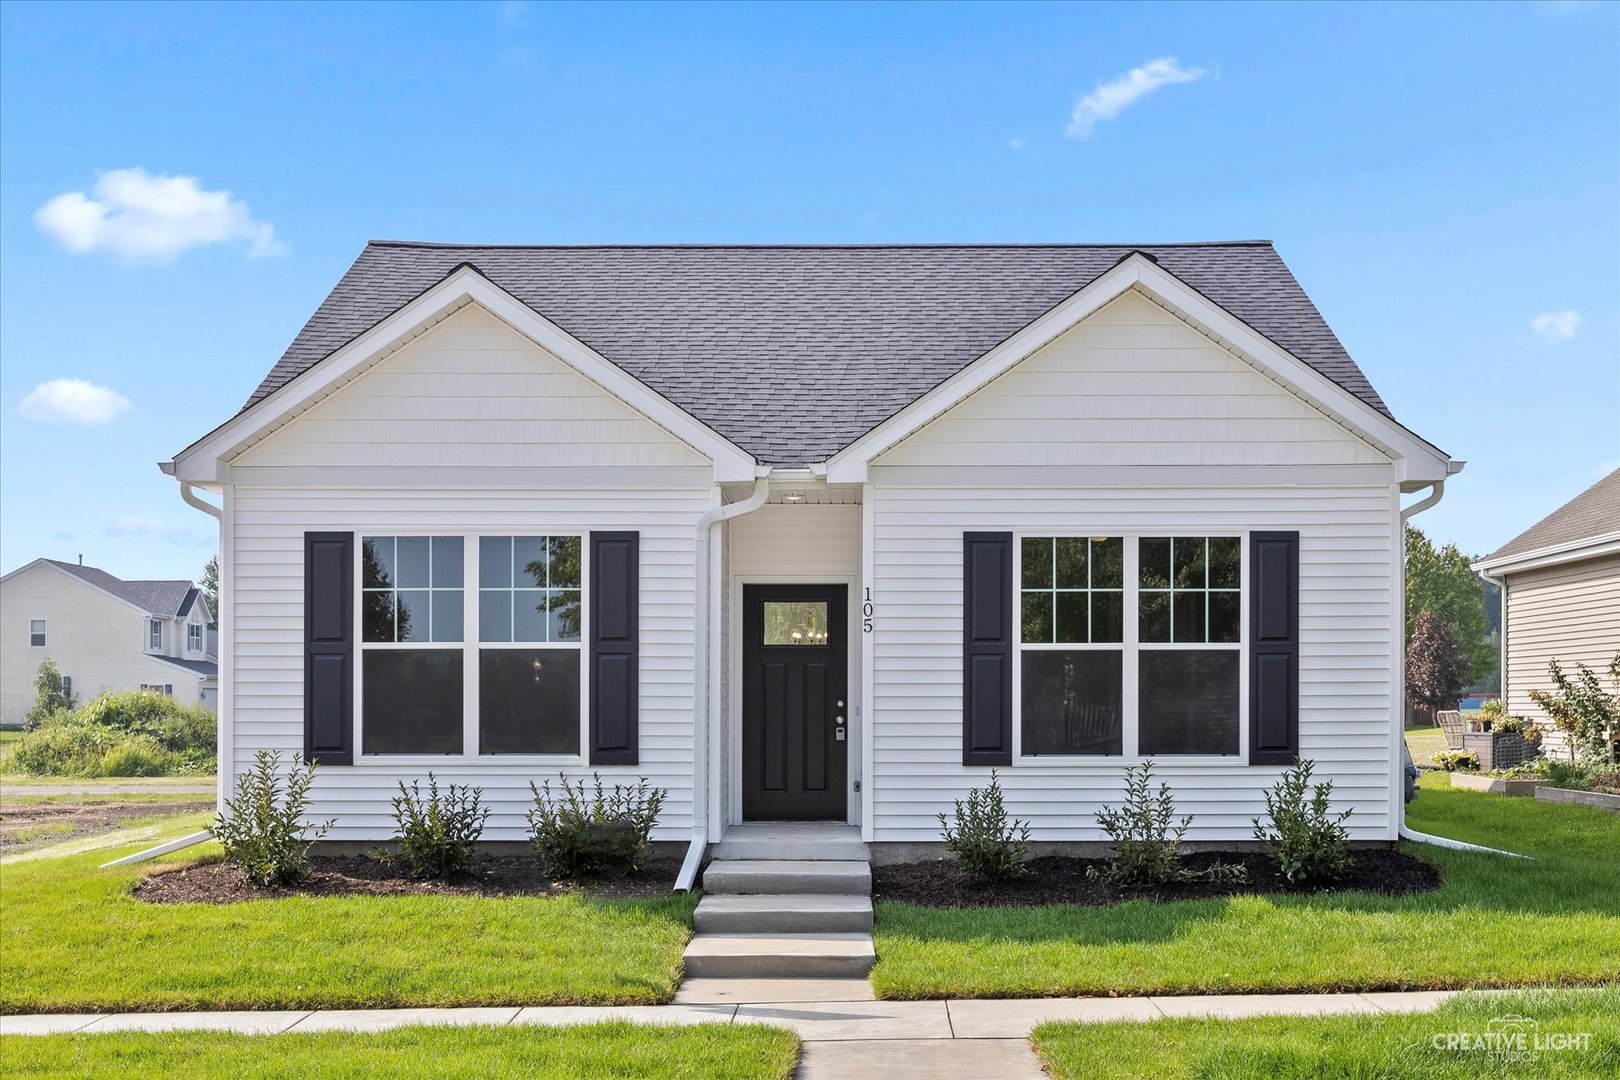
(838, 735)
(839, 720)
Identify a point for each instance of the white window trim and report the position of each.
(471, 650)
(194, 630)
(1129, 668)
(154, 646)
(44, 633)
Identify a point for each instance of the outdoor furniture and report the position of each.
(1451, 723)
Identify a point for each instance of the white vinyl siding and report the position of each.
(1568, 613)
(1132, 385)
(1346, 611)
(470, 392)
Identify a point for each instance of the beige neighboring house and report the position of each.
(1560, 582)
(104, 633)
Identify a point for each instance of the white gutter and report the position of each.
(1456, 845)
(1398, 647)
(222, 746)
(161, 849)
(700, 675)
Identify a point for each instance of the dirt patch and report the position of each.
(361, 875)
(1059, 879)
(30, 825)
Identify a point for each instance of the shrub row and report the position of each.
(1304, 837)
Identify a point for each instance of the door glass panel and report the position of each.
(795, 622)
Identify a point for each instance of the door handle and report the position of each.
(838, 720)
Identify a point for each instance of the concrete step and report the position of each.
(751, 956)
(817, 842)
(733, 877)
(783, 914)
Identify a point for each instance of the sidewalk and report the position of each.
(827, 1019)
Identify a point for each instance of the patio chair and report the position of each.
(1451, 722)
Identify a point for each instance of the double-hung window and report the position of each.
(36, 632)
(471, 644)
(194, 633)
(154, 635)
(1130, 643)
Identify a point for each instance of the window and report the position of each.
(194, 637)
(1130, 645)
(1072, 604)
(67, 687)
(154, 635)
(499, 616)
(795, 622)
(166, 689)
(36, 632)
(529, 613)
(412, 598)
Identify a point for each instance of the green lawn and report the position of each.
(1381, 1047)
(8, 743)
(74, 939)
(1495, 922)
(1423, 743)
(721, 1052)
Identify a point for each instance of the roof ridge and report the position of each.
(936, 245)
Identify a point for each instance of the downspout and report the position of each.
(700, 675)
(1437, 491)
(189, 494)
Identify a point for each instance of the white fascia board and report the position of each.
(204, 461)
(1415, 458)
(1591, 547)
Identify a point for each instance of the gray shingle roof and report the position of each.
(200, 667)
(793, 352)
(1594, 512)
(169, 599)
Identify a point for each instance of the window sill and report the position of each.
(390, 761)
(1116, 762)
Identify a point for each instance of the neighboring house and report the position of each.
(104, 633)
(1560, 581)
(817, 533)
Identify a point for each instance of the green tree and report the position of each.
(51, 695)
(1439, 580)
(209, 583)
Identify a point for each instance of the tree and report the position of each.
(210, 588)
(1439, 581)
(1436, 668)
(51, 695)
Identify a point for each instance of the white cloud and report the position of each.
(1015, 144)
(72, 401)
(139, 217)
(132, 525)
(1113, 97)
(1556, 325)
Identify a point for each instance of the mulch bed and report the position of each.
(1060, 879)
(362, 875)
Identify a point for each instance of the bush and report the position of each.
(64, 746)
(1308, 842)
(136, 755)
(985, 843)
(51, 696)
(1583, 708)
(436, 835)
(1458, 760)
(1145, 833)
(576, 837)
(148, 731)
(262, 826)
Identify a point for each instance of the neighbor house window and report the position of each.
(194, 634)
(36, 632)
(529, 611)
(154, 634)
(1085, 623)
(1072, 617)
(412, 614)
(166, 689)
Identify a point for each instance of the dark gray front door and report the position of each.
(795, 737)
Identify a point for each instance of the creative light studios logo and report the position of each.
(1511, 1038)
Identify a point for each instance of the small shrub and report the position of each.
(262, 826)
(436, 835)
(51, 695)
(1146, 835)
(1581, 706)
(1458, 760)
(577, 837)
(984, 842)
(1308, 842)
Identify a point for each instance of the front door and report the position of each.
(795, 726)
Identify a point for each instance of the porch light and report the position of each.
(793, 497)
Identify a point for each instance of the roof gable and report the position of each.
(792, 353)
(166, 599)
(1593, 515)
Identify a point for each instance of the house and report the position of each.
(1560, 582)
(104, 633)
(817, 533)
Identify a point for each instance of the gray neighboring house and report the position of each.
(1560, 581)
(104, 633)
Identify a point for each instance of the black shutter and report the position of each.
(987, 644)
(329, 648)
(1274, 648)
(615, 599)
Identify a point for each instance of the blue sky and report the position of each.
(1442, 179)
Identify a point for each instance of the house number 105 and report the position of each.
(866, 612)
